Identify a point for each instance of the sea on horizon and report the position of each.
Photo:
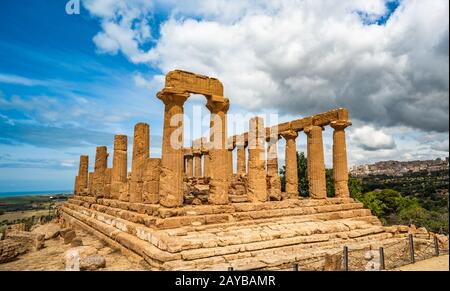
(34, 193)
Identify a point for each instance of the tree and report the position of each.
(302, 172)
(355, 187)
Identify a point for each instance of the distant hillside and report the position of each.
(431, 188)
(400, 168)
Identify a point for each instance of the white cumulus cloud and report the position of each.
(372, 139)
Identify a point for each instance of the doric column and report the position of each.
(230, 147)
(101, 164)
(197, 162)
(150, 185)
(189, 163)
(141, 152)
(291, 163)
(241, 159)
(107, 183)
(82, 178)
(218, 194)
(171, 178)
(90, 184)
(272, 168)
(340, 167)
(316, 163)
(119, 168)
(206, 157)
(257, 187)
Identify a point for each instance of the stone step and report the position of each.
(238, 198)
(256, 240)
(276, 257)
(238, 211)
(232, 234)
(160, 247)
(157, 210)
(326, 212)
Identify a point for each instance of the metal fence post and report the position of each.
(345, 258)
(411, 248)
(295, 267)
(436, 246)
(382, 266)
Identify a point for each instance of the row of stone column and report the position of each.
(161, 180)
(140, 185)
(315, 159)
(197, 159)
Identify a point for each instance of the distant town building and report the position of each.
(397, 168)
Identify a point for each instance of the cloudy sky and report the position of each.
(69, 82)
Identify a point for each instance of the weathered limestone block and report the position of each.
(193, 83)
(189, 164)
(333, 262)
(152, 171)
(92, 263)
(291, 163)
(90, 190)
(206, 163)
(230, 162)
(81, 181)
(171, 178)
(274, 182)
(119, 169)
(257, 188)
(10, 249)
(231, 145)
(49, 230)
(340, 167)
(197, 156)
(241, 157)
(218, 171)
(107, 188)
(141, 152)
(316, 163)
(99, 179)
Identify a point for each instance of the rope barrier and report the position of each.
(403, 256)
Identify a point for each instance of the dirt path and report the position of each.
(51, 257)
(434, 264)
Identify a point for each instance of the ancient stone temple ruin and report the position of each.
(189, 210)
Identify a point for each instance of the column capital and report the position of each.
(188, 152)
(231, 143)
(218, 104)
(311, 128)
(196, 152)
(273, 138)
(289, 134)
(240, 141)
(172, 97)
(340, 124)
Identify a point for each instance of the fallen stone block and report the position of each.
(49, 230)
(92, 263)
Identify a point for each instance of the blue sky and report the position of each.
(50, 68)
(70, 82)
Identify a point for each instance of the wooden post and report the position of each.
(382, 266)
(345, 258)
(411, 248)
(436, 246)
